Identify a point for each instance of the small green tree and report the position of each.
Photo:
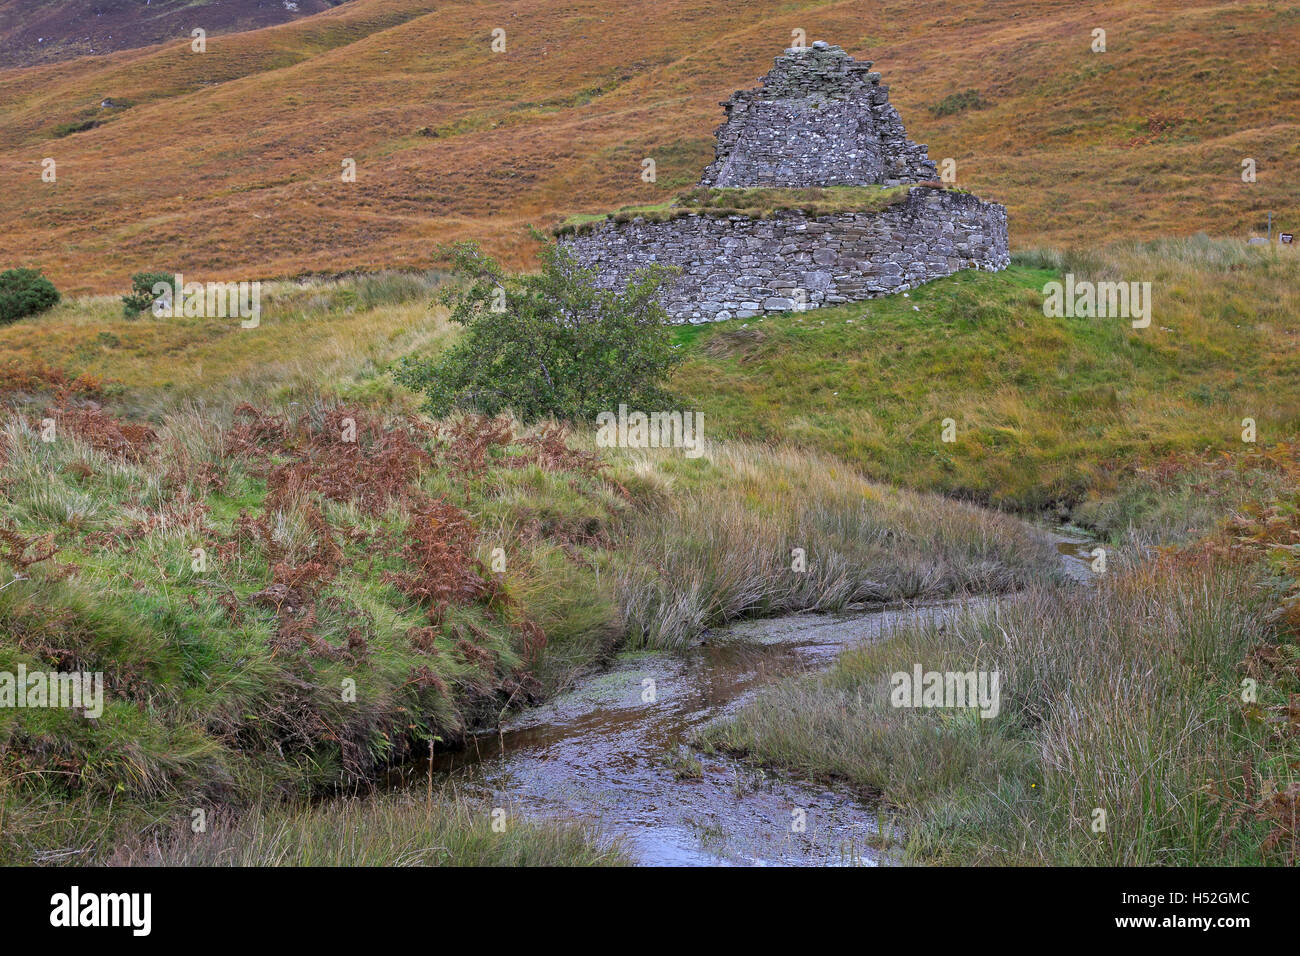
(24, 292)
(549, 343)
(142, 295)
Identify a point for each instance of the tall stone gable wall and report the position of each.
(737, 267)
(820, 118)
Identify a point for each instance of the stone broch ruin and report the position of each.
(819, 119)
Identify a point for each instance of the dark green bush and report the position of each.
(24, 292)
(141, 295)
(76, 126)
(547, 344)
(959, 103)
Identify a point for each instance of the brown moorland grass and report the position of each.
(719, 545)
(227, 165)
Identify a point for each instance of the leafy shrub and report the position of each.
(547, 344)
(142, 295)
(24, 292)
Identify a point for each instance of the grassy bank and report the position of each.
(276, 610)
(1157, 705)
(355, 599)
(286, 591)
(721, 545)
(1126, 698)
(391, 830)
(1048, 412)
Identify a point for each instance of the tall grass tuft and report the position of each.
(714, 548)
(1122, 700)
(384, 830)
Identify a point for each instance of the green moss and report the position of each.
(755, 203)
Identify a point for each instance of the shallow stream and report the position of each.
(614, 749)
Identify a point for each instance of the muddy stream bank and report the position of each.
(614, 749)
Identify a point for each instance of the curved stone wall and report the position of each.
(737, 267)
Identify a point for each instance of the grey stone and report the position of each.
(819, 119)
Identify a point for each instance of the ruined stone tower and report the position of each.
(819, 119)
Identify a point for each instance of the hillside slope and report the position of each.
(227, 164)
(41, 31)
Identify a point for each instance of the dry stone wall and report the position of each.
(737, 267)
(819, 119)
